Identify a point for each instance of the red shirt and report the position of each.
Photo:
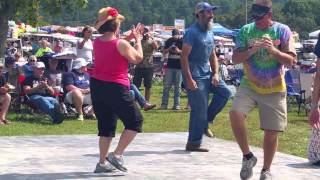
(109, 64)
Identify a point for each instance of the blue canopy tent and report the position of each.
(218, 29)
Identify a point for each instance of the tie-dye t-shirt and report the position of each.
(262, 72)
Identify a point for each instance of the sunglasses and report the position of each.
(31, 60)
(258, 17)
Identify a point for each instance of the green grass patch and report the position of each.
(293, 141)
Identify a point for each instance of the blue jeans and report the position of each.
(45, 104)
(201, 114)
(172, 77)
(134, 91)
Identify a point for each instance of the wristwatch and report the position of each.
(314, 105)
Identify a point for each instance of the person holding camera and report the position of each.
(172, 47)
(41, 94)
(144, 70)
(85, 46)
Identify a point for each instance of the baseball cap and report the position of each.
(39, 64)
(78, 63)
(204, 6)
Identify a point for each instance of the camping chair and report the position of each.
(294, 93)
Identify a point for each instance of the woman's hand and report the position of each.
(135, 33)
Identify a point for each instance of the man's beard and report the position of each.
(207, 24)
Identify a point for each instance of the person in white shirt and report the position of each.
(85, 46)
(223, 68)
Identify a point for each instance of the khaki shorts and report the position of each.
(86, 98)
(272, 107)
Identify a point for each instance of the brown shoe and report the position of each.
(148, 106)
(208, 133)
(196, 148)
(6, 121)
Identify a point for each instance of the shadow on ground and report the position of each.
(143, 153)
(303, 166)
(58, 176)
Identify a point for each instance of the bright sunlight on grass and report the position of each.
(293, 141)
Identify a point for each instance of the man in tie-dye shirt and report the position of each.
(264, 47)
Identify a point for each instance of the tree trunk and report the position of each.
(4, 14)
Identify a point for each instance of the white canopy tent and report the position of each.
(314, 34)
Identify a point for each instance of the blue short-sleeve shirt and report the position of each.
(202, 43)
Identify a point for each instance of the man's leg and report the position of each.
(147, 80)
(221, 95)
(137, 78)
(198, 100)
(270, 145)
(177, 88)
(166, 88)
(44, 104)
(237, 120)
(243, 103)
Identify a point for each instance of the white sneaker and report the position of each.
(265, 175)
(80, 118)
(104, 168)
(247, 165)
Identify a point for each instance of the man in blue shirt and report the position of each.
(77, 86)
(200, 69)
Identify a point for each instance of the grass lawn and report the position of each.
(293, 141)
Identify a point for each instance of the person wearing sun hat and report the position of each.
(264, 47)
(110, 87)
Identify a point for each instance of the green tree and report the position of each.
(29, 10)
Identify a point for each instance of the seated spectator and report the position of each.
(54, 77)
(76, 84)
(13, 73)
(28, 68)
(19, 58)
(140, 99)
(40, 93)
(5, 98)
(58, 47)
(44, 49)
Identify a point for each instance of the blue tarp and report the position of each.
(218, 29)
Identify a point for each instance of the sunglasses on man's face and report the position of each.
(258, 17)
